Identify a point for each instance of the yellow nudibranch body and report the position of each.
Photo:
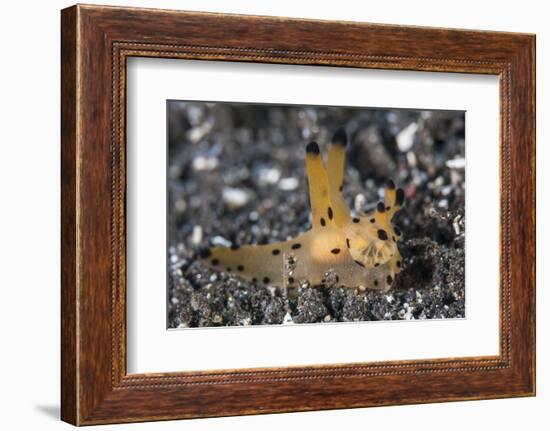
(353, 251)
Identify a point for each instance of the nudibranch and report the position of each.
(354, 251)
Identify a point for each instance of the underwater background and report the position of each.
(236, 174)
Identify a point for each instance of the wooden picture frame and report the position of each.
(95, 43)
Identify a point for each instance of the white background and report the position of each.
(29, 220)
(151, 348)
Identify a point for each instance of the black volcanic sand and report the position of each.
(236, 174)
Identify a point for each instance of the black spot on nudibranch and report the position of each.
(275, 251)
(340, 137)
(347, 242)
(359, 263)
(388, 208)
(376, 264)
(312, 148)
(356, 220)
(322, 221)
(398, 263)
(372, 220)
(382, 234)
(335, 251)
(376, 282)
(399, 197)
(291, 280)
(389, 279)
(341, 187)
(240, 268)
(214, 262)
(380, 207)
(329, 212)
(296, 246)
(266, 280)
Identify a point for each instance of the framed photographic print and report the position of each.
(264, 215)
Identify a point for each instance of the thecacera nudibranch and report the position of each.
(357, 251)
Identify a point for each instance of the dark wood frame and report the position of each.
(95, 43)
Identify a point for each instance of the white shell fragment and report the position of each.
(405, 138)
(235, 198)
(196, 235)
(205, 163)
(456, 163)
(288, 184)
(269, 175)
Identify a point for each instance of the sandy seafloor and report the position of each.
(236, 174)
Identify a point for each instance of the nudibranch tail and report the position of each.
(275, 264)
(258, 263)
(351, 252)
